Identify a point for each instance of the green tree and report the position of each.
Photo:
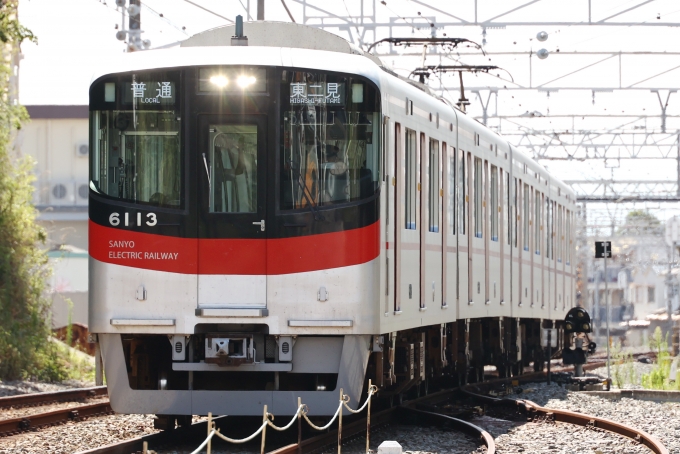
(25, 346)
(640, 222)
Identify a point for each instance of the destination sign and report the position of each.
(315, 93)
(149, 92)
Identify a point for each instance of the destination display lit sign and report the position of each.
(315, 93)
(149, 92)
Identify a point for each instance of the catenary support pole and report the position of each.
(606, 305)
(260, 9)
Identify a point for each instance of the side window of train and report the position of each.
(451, 174)
(507, 207)
(434, 186)
(515, 201)
(568, 239)
(411, 183)
(550, 248)
(526, 214)
(560, 233)
(478, 196)
(493, 208)
(462, 192)
(548, 227)
(538, 224)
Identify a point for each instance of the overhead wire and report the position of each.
(349, 19)
(246, 10)
(159, 15)
(209, 11)
(283, 2)
(165, 19)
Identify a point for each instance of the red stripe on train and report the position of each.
(234, 256)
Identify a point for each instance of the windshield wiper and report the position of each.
(306, 193)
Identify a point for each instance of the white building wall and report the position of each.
(53, 137)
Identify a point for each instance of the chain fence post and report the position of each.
(299, 449)
(340, 422)
(368, 416)
(210, 423)
(264, 430)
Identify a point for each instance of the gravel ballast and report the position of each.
(79, 436)
(659, 419)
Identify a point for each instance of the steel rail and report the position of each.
(32, 399)
(348, 430)
(536, 412)
(25, 423)
(459, 424)
(358, 427)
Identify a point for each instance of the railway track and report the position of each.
(420, 408)
(26, 423)
(69, 395)
(535, 412)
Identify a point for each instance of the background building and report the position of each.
(57, 138)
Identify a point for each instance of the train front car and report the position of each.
(234, 228)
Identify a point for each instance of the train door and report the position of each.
(494, 258)
(526, 252)
(431, 228)
(390, 164)
(568, 249)
(398, 224)
(450, 228)
(409, 252)
(559, 260)
(232, 251)
(463, 231)
(478, 246)
(538, 253)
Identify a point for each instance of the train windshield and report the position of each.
(331, 133)
(136, 139)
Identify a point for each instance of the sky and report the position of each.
(77, 36)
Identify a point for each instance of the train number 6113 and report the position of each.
(114, 219)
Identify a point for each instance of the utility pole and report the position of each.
(260, 9)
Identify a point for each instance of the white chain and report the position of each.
(210, 435)
(371, 391)
(242, 440)
(281, 429)
(337, 412)
(302, 410)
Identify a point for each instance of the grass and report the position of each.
(660, 376)
(77, 364)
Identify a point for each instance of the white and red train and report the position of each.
(288, 217)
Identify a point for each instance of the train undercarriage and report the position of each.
(255, 366)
